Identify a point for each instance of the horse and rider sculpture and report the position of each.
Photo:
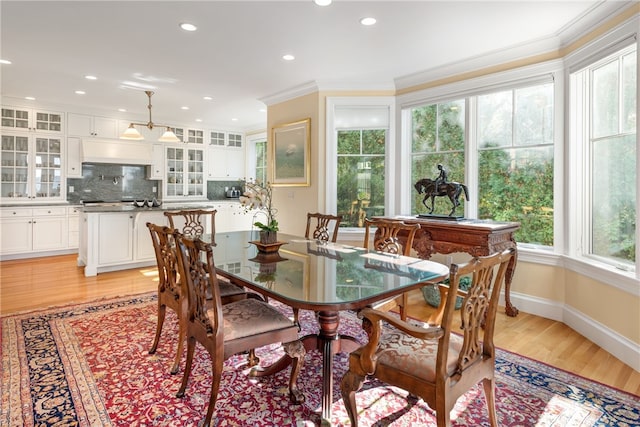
(441, 187)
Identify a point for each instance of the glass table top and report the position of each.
(318, 273)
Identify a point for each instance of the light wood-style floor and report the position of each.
(53, 281)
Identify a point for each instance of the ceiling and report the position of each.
(235, 56)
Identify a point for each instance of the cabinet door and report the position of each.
(16, 235)
(115, 239)
(47, 173)
(144, 246)
(156, 169)
(32, 120)
(235, 164)
(105, 127)
(74, 160)
(49, 233)
(73, 227)
(217, 163)
(79, 124)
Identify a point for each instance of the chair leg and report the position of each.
(296, 351)
(182, 331)
(161, 313)
(443, 414)
(350, 384)
(216, 374)
(489, 394)
(252, 359)
(191, 346)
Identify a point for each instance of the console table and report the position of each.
(474, 236)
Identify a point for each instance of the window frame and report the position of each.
(331, 133)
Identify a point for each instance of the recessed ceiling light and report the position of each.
(184, 108)
(80, 92)
(263, 110)
(368, 21)
(90, 77)
(5, 61)
(198, 120)
(235, 119)
(188, 27)
(122, 110)
(322, 2)
(288, 57)
(207, 98)
(29, 98)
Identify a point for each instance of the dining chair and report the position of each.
(194, 222)
(386, 239)
(325, 229)
(171, 293)
(436, 363)
(225, 330)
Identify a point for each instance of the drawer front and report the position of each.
(52, 211)
(74, 210)
(15, 212)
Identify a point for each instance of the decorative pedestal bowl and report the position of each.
(267, 248)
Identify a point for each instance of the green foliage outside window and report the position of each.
(361, 174)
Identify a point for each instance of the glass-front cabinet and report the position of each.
(31, 166)
(185, 173)
(31, 120)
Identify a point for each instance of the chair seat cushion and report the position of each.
(251, 317)
(228, 289)
(414, 355)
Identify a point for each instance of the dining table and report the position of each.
(324, 277)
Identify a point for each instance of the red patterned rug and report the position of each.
(87, 365)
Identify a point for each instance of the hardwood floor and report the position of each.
(53, 281)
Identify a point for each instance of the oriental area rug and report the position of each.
(88, 365)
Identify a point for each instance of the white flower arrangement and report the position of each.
(257, 196)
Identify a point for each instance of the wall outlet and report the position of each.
(291, 194)
(71, 189)
(154, 189)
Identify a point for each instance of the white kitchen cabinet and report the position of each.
(184, 171)
(115, 244)
(73, 226)
(156, 169)
(84, 125)
(74, 158)
(112, 241)
(189, 135)
(31, 166)
(231, 216)
(25, 119)
(33, 230)
(225, 163)
(144, 250)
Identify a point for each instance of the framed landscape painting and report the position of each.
(291, 154)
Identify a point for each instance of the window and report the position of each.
(361, 174)
(261, 161)
(358, 170)
(604, 107)
(515, 160)
(512, 140)
(438, 137)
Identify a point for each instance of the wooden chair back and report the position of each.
(436, 363)
(326, 227)
(386, 238)
(193, 222)
(225, 330)
(170, 291)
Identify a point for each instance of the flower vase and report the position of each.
(268, 237)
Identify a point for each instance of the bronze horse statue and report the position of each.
(449, 189)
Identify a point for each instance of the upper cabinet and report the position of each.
(25, 119)
(225, 156)
(31, 166)
(184, 170)
(83, 125)
(189, 135)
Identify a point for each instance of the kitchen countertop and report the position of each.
(169, 206)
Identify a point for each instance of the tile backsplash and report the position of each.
(126, 182)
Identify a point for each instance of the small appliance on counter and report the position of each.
(232, 193)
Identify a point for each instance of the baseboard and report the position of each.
(619, 346)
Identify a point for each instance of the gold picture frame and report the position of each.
(291, 154)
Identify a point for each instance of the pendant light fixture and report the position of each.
(133, 134)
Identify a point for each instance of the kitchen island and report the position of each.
(117, 238)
